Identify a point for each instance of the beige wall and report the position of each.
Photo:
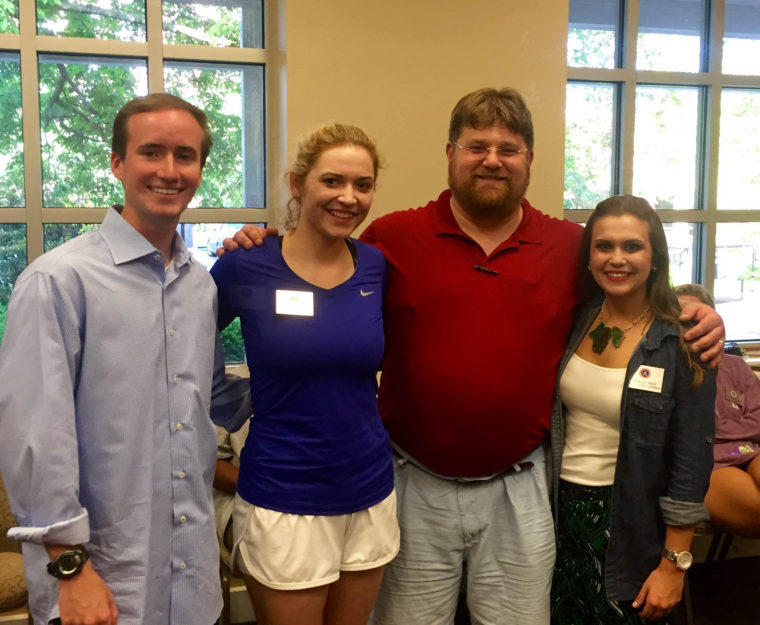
(397, 67)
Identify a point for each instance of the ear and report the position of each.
(295, 190)
(529, 156)
(116, 162)
(449, 151)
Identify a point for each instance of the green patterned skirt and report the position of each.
(578, 593)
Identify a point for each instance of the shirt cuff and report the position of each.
(74, 531)
(683, 513)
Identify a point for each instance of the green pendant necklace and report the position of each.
(602, 333)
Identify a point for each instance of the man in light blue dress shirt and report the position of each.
(107, 369)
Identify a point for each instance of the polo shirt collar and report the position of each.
(444, 222)
(127, 244)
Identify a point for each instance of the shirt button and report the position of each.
(175, 379)
(171, 332)
(182, 519)
(179, 426)
(181, 475)
(182, 566)
(157, 257)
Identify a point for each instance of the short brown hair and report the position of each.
(698, 291)
(310, 149)
(491, 107)
(157, 102)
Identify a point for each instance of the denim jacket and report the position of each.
(664, 458)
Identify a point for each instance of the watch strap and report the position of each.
(68, 563)
(682, 559)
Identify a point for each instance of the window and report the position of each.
(80, 61)
(663, 101)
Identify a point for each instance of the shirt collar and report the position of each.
(444, 222)
(127, 244)
(658, 331)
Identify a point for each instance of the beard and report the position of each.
(494, 202)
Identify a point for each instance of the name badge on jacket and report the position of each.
(297, 303)
(648, 378)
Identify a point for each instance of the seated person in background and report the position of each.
(228, 448)
(734, 495)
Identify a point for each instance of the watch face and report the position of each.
(69, 563)
(684, 560)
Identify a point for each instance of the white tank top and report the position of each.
(591, 395)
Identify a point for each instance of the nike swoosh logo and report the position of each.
(364, 293)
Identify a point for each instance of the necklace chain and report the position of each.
(640, 316)
(603, 334)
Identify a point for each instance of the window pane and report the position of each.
(670, 33)
(11, 137)
(99, 19)
(737, 279)
(220, 23)
(682, 241)
(233, 98)
(665, 146)
(55, 234)
(741, 39)
(592, 33)
(12, 263)
(202, 241)
(79, 97)
(9, 16)
(739, 150)
(589, 119)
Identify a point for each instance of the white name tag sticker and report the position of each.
(648, 378)
(297, 303)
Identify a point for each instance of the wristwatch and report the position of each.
(683, 559)
(69, 563)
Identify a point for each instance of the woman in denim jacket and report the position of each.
(632, 429)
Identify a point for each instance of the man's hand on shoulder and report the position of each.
(86, 600)
(708, 334)
(248, 236)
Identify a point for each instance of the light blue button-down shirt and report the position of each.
(105, 390)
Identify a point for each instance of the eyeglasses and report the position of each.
(481, 151)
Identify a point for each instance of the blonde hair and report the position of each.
(312, 147)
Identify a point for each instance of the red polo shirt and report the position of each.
(471, 354)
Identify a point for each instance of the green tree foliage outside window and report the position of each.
(78, 102)
(97, 20)
(12, 263)
(183, 24)
(9, 16)
(11, 137)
